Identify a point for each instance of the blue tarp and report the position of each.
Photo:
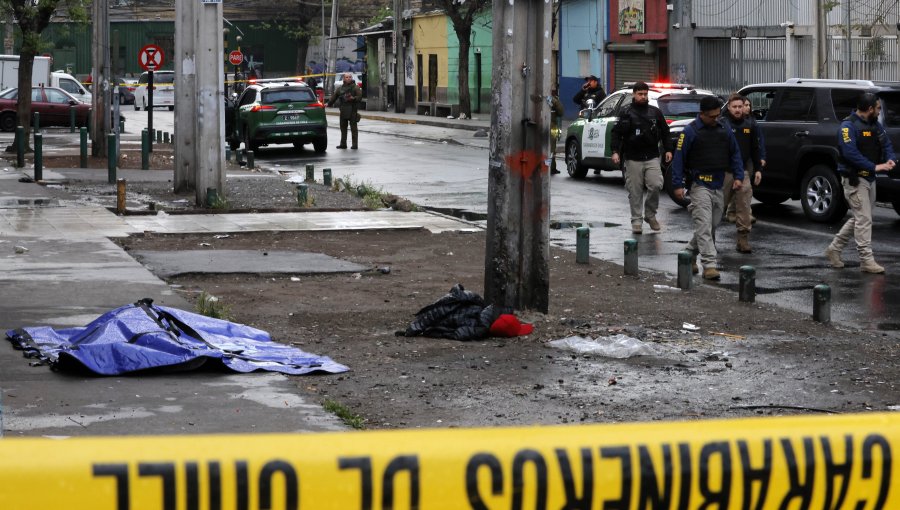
(143, 336)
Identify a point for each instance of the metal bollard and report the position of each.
(212, 197)
(685, 278)
(310, 172)
(166, 137)
(582, 245)
(158, 136)
(631, 257)
(239, 156)
(20, 146)
(38, 156)
(747, 284)
(326, 176)
(111, 158)
(251, 160)
(302, 195)
(83, 135)
(145, 149)
(120, 196)
(36, 125)
(227, 154)
(72, 119)
(822, 303)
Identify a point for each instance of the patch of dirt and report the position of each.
(745, 359)
(162, 158)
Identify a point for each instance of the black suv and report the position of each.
(800, 119)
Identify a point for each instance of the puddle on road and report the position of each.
(560, 225)
(459, 213)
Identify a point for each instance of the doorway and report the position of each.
(432, 78)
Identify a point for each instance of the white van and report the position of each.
(163, 90)
(71, 85)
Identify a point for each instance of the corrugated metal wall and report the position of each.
(726, 13)
(634, 67)
(871, 58)
(757, 60)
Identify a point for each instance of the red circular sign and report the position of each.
(235, 57)
(151, 57)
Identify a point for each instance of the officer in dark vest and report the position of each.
(865, 149)
(745, 131)
(707, 149)
(636, 139)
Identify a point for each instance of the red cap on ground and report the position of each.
(508, 325)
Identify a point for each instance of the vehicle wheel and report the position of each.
(8, 122)
(320, 145)
(574, 166)
(896, 204)
(137, 107)
(172, 108)
(667, 185)
(822, 195)
(769, 198)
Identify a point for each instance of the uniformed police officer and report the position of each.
(636, 139)
(865, 149)
(748, 140)
(556, 114)
(706, 149)
(590, 90)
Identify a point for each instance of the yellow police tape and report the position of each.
(766, 463)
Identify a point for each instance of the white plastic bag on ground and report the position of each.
(616, 346)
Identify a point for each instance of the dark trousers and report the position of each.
(353, 132)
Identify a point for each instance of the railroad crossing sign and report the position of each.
(151, 57)
(235, 57)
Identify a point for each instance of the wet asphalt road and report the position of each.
(446, 169)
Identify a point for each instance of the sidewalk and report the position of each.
(59, 268)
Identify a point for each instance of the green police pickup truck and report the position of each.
(588, 138)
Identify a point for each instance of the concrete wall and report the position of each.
(582, 27)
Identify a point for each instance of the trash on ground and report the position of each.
(727, 335)
(144, 336)
(21, 249)
(690, 327)
(461, 315)
(665, 288)
(616, 346)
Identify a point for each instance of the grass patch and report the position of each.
(354, 421)
(218, 202)
(372, 197)
(210, 306)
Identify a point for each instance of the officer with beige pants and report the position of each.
(636, 139)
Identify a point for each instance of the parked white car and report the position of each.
(71, 85)
(163, 90)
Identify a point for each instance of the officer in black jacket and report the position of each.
(746, 133)
(635, 139)
(590, 90)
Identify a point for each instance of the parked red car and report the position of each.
(51, 102)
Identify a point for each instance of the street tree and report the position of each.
(32, 17)
(462, 13)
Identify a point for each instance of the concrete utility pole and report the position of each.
(199, 72)
(331, 58)
(518, 250)
(100, 76)
(399, 55)
(821, 41)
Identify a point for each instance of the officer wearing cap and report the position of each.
(706, 148)
(590, 90)
(865, 149)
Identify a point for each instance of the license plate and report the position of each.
(289, 118)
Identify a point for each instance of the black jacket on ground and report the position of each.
(459, 315)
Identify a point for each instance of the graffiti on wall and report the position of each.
(631, 16)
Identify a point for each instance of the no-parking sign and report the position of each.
(151, 57)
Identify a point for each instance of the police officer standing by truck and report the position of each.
(865, 149)
(635, 139)
(707, 149)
